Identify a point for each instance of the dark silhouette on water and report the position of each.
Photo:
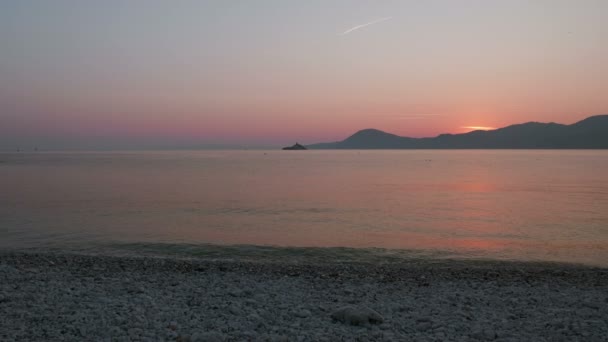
(295, 147)
(590, 133)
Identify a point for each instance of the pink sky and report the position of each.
(123, 74)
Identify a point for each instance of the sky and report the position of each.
(145, 74)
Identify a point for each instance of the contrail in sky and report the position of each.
(414, 116)
(363, 25)
(417, 115)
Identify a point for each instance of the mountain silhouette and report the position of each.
(590, 133)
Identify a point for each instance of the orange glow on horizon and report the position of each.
(482, 128)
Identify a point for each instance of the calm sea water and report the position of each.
(523, 205)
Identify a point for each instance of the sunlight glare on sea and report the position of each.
(507, 204)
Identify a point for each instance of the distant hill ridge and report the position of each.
(590, 133)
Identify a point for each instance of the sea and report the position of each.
(385, 205)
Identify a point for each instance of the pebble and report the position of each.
(423, 326)
(207, 337)
(233, 309)
(88, 297)
(357, 315)
(303, 313)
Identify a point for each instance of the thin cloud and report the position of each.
(364, 25)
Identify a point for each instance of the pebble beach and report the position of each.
(72, 297)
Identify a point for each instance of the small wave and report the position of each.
(269, 211)
(297, 255)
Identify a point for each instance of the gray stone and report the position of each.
(357, 315)
(489, 334)
(209, 336)
(135, 332)
(236, 293)
(484, 334)
(303, 313)
(233, 309)
(423, 326)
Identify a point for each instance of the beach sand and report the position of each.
(53, 296)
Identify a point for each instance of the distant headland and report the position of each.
(590, 133)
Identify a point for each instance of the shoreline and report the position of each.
(55, 296)
(291, 254)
